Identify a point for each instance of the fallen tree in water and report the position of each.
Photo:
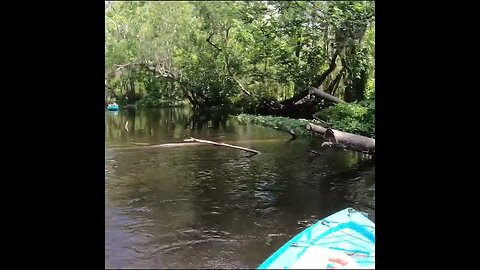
(345, 140)
(222, 144)
(302, 105)
(138, 146)
(318, 92)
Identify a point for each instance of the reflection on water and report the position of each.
(214, 207)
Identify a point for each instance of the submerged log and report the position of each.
(316, 128)
(340, 139)
(222, 144)
(314, 152)
(292, 133)
(175, 144)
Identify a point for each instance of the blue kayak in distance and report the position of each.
(112, 107)
(348, 231)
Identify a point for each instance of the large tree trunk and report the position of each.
(334, 84)
(342, 139)
(191, 99)
(187, 93)
(131, 98)
(354, 86)
(299, 106)
(321, 94)
(359, 86)
(292, 107)
(296, 98)
(330, 69)
(319, 80)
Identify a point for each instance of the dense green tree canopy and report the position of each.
(222, 53)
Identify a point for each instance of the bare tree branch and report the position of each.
(210, 42)
(241, 86)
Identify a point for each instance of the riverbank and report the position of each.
(277, 122)
(356, 118)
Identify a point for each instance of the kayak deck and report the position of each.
(347, 230)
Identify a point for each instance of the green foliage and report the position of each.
(370, 90)
(152, 101)
(275, 49)
(355, 117)
(148, 33)
(276, 122)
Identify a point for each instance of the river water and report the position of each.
(204, 206)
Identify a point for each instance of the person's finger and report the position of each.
(340, 258)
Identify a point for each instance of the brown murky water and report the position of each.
(214, 207)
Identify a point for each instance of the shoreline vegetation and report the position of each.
(290, 63)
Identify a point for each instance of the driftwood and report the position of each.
(176, 144)
(143, 146)
(222, 144)
(138, 145)
(345, 140)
